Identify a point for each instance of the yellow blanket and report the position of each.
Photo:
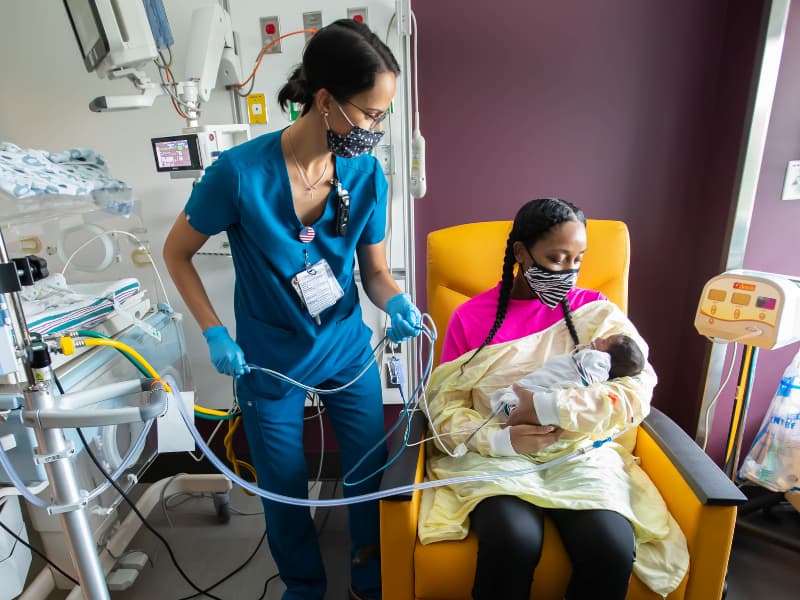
(604, 478)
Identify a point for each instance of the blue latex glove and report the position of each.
(406, 318)
(226, 354)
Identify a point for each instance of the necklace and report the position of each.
(310, 187)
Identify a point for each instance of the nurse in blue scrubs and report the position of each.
(298, 205)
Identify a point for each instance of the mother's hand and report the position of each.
(529, 439)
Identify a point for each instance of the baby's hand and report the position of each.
(525, 413)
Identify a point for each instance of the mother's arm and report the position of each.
(615, 403)
(455, 421)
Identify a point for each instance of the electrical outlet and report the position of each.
(270, 32)
(791, 183)
(391, 379)
(312, 20)
(358, 14)
(384, 155)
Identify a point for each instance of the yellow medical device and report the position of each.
(758, 310)
(752, 307)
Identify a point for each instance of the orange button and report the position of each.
(714, 309)
(761, 315)
(736, 313)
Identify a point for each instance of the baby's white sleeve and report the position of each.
(546, 408)
(503, 401)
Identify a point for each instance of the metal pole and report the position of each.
(749, 169)
(739, 412)
(53, 448)
(55, 453)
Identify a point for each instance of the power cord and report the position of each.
(131, 503)
(235, 571)
(38, 553)
(140, 515)
(200, 592)
(266, 585)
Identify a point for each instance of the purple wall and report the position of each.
(632, 110)
(774, 243)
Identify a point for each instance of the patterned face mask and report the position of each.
(355, 143)
(551, 287)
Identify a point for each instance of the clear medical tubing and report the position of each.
(18, 483)
(403, 489)
(134, 451)
(36, 501)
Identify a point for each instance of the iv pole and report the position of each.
(54, 451)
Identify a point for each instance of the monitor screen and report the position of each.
(176, 153)
(88, 31)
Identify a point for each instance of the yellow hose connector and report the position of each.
(67, 345)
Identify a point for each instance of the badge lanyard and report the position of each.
(315, 284)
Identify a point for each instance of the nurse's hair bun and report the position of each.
(297, 89)
(343, 57)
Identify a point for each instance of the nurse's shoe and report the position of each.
(356, 596)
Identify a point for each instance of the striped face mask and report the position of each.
(551, 287)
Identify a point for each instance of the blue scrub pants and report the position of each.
(274, 429)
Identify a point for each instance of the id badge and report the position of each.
(318, 288)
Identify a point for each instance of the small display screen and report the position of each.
(766, 303)
(176, 153)
(741, 299)
(748, 287)
(717, 295)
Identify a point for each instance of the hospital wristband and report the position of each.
(546, 407)
(500, 442)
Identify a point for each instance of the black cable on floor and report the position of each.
(39, 554)
(141, 516)
(235, 571)
(266, 585)
(131, 503)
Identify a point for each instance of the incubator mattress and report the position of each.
(53, 308)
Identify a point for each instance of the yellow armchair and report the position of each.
(462, 262)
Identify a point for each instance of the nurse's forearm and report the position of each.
(194, 294)
(380, 286)
(179, 264)
(182, 242)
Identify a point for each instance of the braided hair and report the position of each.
(533, 222)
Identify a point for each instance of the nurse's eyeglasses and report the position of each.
(376, 119)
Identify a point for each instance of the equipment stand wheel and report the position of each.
(222, 506)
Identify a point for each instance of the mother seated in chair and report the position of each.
(610, 516)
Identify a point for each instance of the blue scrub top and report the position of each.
(246, 192)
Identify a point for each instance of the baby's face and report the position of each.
(602, 344)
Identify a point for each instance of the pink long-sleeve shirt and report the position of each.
(471, 322)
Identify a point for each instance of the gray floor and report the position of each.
(207, 550)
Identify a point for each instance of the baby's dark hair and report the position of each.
(534, 221)
(627, 359)
(344, 58)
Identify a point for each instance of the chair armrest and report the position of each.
(403, 470)
(399, 514)
(700, 497)
(708, 482)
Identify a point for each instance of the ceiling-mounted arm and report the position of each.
(210, 57)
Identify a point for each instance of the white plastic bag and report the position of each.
(774, 459)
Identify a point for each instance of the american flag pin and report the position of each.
(307, 234)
